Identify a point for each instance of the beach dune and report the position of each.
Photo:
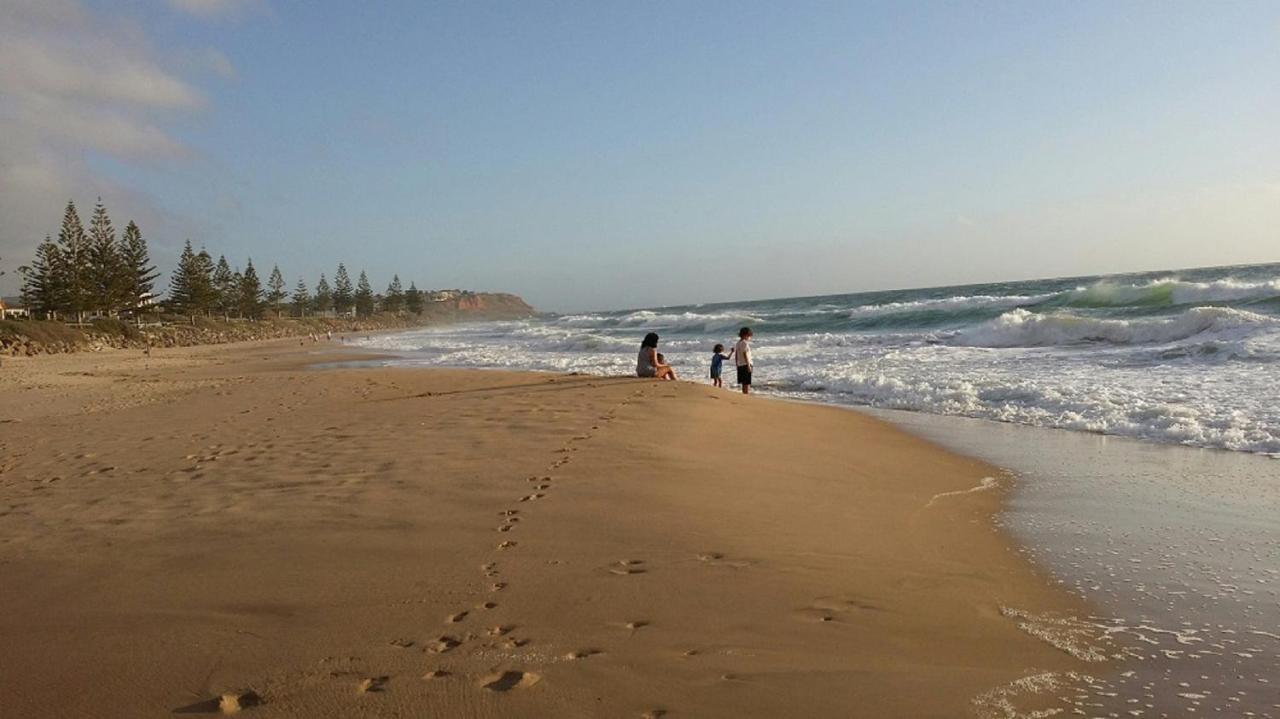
(227, 530)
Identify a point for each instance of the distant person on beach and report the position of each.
(717, 362)
(742, 357)
(650, 363)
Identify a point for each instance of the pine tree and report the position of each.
(413, 299)
(342, 294)
(207, 292)
(139, 274)
(393, 300)
(106, 269)
(226, 289)
(275, 290)
(187, 285)
(301, 298)
(250, 295)
(43, 289)
(364, 296)
(75, 270)
(324, 296)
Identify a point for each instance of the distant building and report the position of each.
(147, 302)
(12, 308)
(443, 295)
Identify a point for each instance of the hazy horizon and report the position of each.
(590, 156)
(1173, 273)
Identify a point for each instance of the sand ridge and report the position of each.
(219, 527)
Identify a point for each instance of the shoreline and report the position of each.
(1176, 546)
(315, 535)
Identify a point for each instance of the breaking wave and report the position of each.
(1021, 328)
(1188, 360)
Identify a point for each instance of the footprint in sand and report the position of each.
(833, 609)
(636, 624)
(436, 674)
(507, 544)
(372, 684)
(531, 497)
(505, 527)
(225, 704)
(489, 605)
(508, 680)
(498, 586)
(442, 644)
(717, 559)
(654, 714)
(455, 618)
(624, 567)
(583, 653)
(500, 630)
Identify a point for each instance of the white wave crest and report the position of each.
(1171, 291)
(1021, 328)
(949, 304)
(686, 321)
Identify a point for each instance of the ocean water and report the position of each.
(1189, 357)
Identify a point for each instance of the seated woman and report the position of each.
(648, 363)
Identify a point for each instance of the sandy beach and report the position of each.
(214, 528)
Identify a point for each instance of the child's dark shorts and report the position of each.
(744, 374)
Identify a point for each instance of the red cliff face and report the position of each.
(492, 304)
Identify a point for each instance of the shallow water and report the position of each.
(1179, 548)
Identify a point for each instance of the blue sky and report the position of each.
(610, 154)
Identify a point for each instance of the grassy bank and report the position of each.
(33, 337)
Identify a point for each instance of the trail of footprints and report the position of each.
(501, 636)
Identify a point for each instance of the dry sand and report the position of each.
(438, 543)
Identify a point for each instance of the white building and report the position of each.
(11, 308)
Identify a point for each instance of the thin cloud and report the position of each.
(74, 84)
(218, 64)
(210, 9)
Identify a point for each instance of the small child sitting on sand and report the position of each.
(717, 361)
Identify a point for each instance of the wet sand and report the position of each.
(220, 528)
(1176, 548)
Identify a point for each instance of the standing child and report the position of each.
(717, 359)
(742, 357)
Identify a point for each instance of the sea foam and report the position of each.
(1188, 359)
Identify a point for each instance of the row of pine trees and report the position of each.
(91, 272)
(95, 274)
(201, 286)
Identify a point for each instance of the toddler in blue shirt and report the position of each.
(717, 359)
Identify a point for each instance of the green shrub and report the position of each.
(41, 331)
(120, 328)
